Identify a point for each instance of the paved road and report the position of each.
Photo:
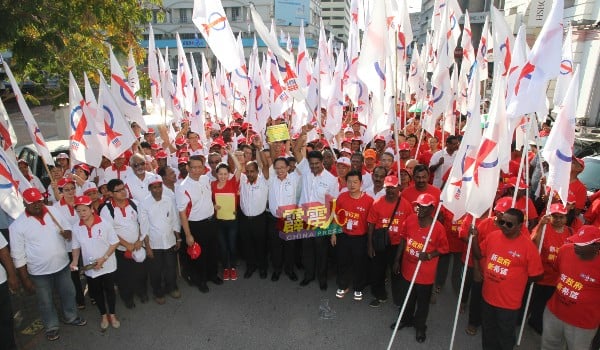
(43, 115)
(260, 314)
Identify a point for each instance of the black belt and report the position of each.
(210, 218)
(255, 216)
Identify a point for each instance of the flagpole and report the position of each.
(414, 277)
(521, 164)
(462, 284)
(532, 284)
(395, 77)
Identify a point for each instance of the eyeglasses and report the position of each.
(135, 165)
(505, 223)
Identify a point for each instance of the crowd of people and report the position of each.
(182, 202)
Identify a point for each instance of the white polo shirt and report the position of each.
(125, 223)
(112, 172)
(68, 212)
(138, 189)
(316, 188)
(197, 194)
(282, 192)
(159, 220)
(253, 197)
(94, 243)
(38, 244)
(80, 190)
(375, 196)
(441, 170)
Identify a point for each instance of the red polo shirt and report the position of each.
(351, 213)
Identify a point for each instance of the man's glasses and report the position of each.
(135, 165)
(505, 223)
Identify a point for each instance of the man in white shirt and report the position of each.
(37, 241)
(137, 178)
(122, 213)
(117, 170)
(196, 212)
(318, 186)
(159, 222)
(377, 190)
(442, 160)
(254, 192)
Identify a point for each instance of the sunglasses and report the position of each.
(505, 223)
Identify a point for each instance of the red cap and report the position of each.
(64, 181)
(22, 161)
(155, 146)
(503, 204)
(236, 116)
(586, 235)
(83, 200)
(346, 150)
(243, 141)
(161, 155)
(390, 181)
(156, 180)
(182, 160)
(512, 182)
(379, 138)
(404, 146)
(245, 126)
(150, 131)
(558, 208)
(91, 189)
(62, 155)
(357, 139)
(235, 124)
(425, 200)
(194, 251)
(348, 140)
(32, 195)
(180, 141)
(83, 167)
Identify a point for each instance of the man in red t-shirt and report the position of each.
(509, 260)
(420, 243)
(421, 185)
(572, 314)
(352, 208)
(379, 218)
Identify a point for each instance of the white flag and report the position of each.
(153, 72)
(269, 38)
(124, 95)
(184, 89)
(12, 183)
(84, 142)
(566, 70)
(132, 74)
(8, 138)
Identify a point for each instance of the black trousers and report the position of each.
(162, 270)
(379, 265)
(498, 327)
(7, 331)
(75, 277)
(314, 258)
(130, 277)
(282, 251)
(204, 268)
(253, 233)
(539, 297)
(102, 289)
(442, 271)
(476, 299)
(352, 261)
(417, 307)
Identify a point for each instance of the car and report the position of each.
(31, 156)
(590, 176)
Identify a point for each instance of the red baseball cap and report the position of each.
(91, 189)
(586, 235)
(194, 251)
(503, 204)
(357, 139)
(62, 155)
(512, 182)
(161, 155)
(182, 160)
(390, 181)
(180, 141)
(379, 138)
(150, 131)
(346, 150)
(32, 195)
(557, 208)
(425, 200)
(65, 181)
(404, 146)
(156, 180)
(579, 161)
(83, 200)
(155, 146)
(344, 160)
(83, 167)
(22, 161)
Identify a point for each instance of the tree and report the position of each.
(49, 37)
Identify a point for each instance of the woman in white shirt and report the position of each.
(95, 240)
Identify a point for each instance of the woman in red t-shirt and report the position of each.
(555, 236)
(227, 185)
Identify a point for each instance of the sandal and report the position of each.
(471, 330)
(52, 335)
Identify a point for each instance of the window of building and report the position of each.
(236, 14)
(183, 15)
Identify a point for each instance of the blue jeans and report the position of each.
(61, 281)
(227, 241)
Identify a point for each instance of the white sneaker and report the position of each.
(358, 296)
(340, 293)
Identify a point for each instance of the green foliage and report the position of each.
(49, 37)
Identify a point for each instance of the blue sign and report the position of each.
(292, 12)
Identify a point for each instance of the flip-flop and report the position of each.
(52, 335)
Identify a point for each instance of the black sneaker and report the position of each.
(377, 302)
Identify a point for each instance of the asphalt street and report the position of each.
(260, 314)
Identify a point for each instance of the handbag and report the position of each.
(381, 238)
